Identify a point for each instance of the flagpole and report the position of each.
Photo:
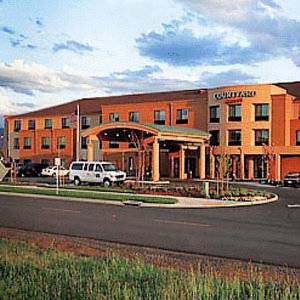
(78, 133)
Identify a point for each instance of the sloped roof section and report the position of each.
(178, 130)
(147, 127)
(293, 88)
(93, 105)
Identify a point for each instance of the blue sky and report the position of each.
(55, 51)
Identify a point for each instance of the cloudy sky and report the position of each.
(54, 51)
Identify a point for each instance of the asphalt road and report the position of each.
(266, 233)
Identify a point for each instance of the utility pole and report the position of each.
(78, 133)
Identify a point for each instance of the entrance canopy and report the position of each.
(143, 135)
(122, 132)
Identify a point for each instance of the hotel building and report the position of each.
(180, 134)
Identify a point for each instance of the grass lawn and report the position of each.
(28, 272)
(87, 194)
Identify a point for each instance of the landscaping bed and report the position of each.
(232, 194)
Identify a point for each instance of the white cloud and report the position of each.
(29, 79)
(7, 107)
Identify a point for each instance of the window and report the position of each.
(182, 116)
(45, 143)
(27, 161)
(100, 118)
(85, 122)
(48, 123)
(159, 117)
(114, 145)
(234, 113)
(261, 112)
(17, 125)
(84, 142)
(31, 124)
(16, 143)
(61, 143)
(298, 137)
(27, 143)
(215, 138)
(234, 137)
(91, 167)
(77, 166)
(214, 114)
(131, 145)
(98, 168)
(65, 123)
(261, 137)
(134, 117)
(114, 117)
(45, 161)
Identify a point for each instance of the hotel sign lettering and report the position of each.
(233, 94)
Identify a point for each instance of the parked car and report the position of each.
(52, 171)
(31, 170)
(292, 179)
(95, 172)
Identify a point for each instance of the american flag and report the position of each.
(73, 118)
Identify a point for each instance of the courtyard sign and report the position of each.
(233, 94)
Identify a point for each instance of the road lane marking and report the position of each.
(293, 205)
(61, 210)
(181, 223)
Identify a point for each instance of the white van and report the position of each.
(95, 172)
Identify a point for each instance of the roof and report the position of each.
(292, 88)
(177, 129)
(147, 127)
(93, 105)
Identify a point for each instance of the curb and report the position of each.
(229, 205)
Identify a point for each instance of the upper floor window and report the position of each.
(45, 143)
(159, 117)
(134, 117)
(114, 117)
(27, 143)
(214, 114)
(85, 122)
(234, 137)
(65, 122)
(100, 118)
(261, 137)
(182, 116)
(298, 137)
(61, 143)
(16, 143)
(215, 138)
(48, 123)
(17, 125)
(84, 142)
(114, 145)
(31, 124)
(262, 112)
(234, 113)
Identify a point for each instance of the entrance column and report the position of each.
(277, 167)
(201, 161)
(250, 168)
(242, 168)
(155, 160)
(91, 143)
(182, 163)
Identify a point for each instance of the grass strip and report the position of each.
(87, 195)
(28, 272)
